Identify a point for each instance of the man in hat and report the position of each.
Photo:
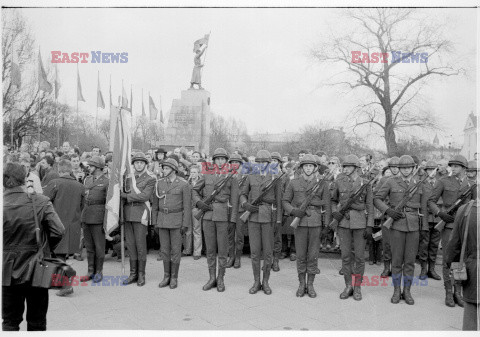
(136, 215)
(160, 155)
(450, 188)
(276, 166)
(171, 213)
(96, 186)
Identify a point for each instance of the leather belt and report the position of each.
(409, 209)
(95, 202)
(165, 210)
(136, 204)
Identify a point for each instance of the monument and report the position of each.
(189, 119)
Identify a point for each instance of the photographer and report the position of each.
(20, 250)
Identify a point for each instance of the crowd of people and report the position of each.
(183, 203)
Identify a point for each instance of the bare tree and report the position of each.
(391, 90)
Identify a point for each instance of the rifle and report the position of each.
(345, 208)
(309, 198)
(408, 195)
(241, 181)
(454, 208)
(244, 217)
(218, 187)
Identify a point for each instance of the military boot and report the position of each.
(386, 271)
(302, 285)
(357, 293)
(238, 263)
(266, 275)
(174, 277)
(91, 268)
(457, 294)
(212, 282)
(449, 301)
(310, 290)
(396, 295)
(166, 274)
(347, 292)
(133, 273)
(256, 276)
(431, 271)
(407, 296)
(230, 262)
(275, 266)
(141, 273)
(220, 280)
(99, 269)
(423, 272)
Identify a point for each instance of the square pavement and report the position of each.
(188, 307)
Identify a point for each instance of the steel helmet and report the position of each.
(160, 150)
(394, 162)
(139, 156)
(220, 152)
(170, 162)
(235, 157)
(406, 161)
(97, 161)
(308, 159)
(351, 160)
(317, 159)
(263, 156)
(472, 165)
(458, 160)
(277, 156)
(430, 165)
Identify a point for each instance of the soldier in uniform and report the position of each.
(136, 215)
(354, 227)
(236, 230)
(277, 227)
(262, 219)
(172, 214)
(472, 172)
(404, 232)
(223, 210)
(429, 237)
(288, 239)
(307, 234)
(387, 251)
(96, 186)
(449, 188)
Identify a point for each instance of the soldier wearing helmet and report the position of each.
(276, 166)
(307, 234)
(96, 186)
(236, 230)
(223, 210)
(450, 188)
(172, 215)
(262, 219)
(137, 193)
(472, 171)
(288, 239)
(404, 232)
(429, 238)
(354, 227)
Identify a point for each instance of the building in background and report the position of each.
(470, 137)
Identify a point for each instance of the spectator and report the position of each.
(49, 172)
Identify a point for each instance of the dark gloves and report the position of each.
(298, 213)
(446, 217)
(183, 230)
(251, 208)
(337, 216)
(367, 233)
(394, 214)
(203, 206)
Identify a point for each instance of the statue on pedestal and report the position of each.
(199, 47)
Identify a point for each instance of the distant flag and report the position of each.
(79, 88)
(16, 75)
(200, 42)
(57, 82)
(100, 101)
(143, 107)
(42, 76)
(124, 98)
(153, 109)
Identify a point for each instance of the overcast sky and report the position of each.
(257, 66)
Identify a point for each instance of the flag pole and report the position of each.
(58, 120)
(77, 109)
(96, 113)
(11, 116)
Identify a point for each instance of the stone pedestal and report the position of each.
(189, 121)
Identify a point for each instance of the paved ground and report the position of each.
(190, 308)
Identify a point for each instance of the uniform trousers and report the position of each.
(447, 278)
(236, 237)
(387, 250)
(13, 306)
(428, 248)
(136, 240)
(352, 263)
(404, 249)
(197, 236)
(260, 235)
(94, 235)
(307, 245)
(277, 240)
(216, 238)
(171, 244)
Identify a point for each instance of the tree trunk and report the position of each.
(390, 140)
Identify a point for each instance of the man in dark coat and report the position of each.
(49, 170)
(67, 196)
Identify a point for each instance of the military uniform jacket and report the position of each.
(241, 182)
(174, 208)
(225, 205)
(361, 213)
(96, 191)
(394, 189)
(285, 181)
(135, 203)
(429, 187)
(270, 209)
(449, 189)
(297, 191)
